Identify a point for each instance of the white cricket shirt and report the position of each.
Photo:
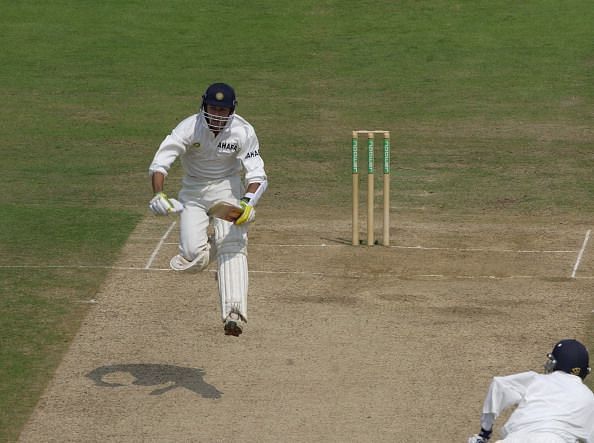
(558, 403)
(206, 157)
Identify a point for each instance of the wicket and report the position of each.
(370, 187)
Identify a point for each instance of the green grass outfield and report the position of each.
(489, 104)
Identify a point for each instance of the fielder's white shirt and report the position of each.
(558, 403)
(206, 157)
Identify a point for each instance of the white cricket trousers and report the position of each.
(534, 437)
(230, 240)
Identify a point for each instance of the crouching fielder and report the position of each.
(220, 157)
(555, 407)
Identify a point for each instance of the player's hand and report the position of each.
(248, 215)
(160, 204)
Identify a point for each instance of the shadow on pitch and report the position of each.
(154, 375)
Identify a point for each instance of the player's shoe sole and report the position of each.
(233, 328)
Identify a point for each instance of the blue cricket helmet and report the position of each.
(569, 356)
(220, 94)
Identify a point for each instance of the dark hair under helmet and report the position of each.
(219, 94)
(572, 357)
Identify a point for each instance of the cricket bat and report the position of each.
(225, 210)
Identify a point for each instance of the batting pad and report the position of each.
(230, 238)
(179, 263)
(233, 284)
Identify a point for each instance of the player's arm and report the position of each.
(254, 191)
(503, 392)
(249, 200)
(507, 391)
(160, 204)
(255, 178)
(158, 182)
(172, 147)
(252, 188)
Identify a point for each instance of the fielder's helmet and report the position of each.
(569, 356)
(220, 94)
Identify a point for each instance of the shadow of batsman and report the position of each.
(156, 375)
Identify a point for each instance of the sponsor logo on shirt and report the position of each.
(253, 154)
(227, 147)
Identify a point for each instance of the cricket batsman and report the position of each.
(223, 180)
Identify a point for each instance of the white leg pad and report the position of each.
(179, 263)
(230, 238)
(233, 284)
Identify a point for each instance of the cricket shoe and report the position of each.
(233, 324)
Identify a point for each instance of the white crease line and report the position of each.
(117, 268)
(518, 251)
(418, 247)
(318, 274)
(421, 248)
(156, 251)
(581, 253)
(491, 277)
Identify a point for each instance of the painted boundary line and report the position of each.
(581, 253)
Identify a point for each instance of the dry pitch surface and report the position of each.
(343, 343)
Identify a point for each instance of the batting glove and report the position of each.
(248, 215)
(162, 205)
